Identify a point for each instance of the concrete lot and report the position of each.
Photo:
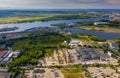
(72, 56)
(102, 72)
(48, 73)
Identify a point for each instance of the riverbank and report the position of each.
(25, 26)
(8, 29)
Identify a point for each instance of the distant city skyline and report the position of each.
(59, 4)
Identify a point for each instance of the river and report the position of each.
(27, 25)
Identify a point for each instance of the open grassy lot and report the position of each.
(73, 75)
(73, 72)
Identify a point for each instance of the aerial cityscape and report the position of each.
(59, 39)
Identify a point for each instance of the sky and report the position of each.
(61, 4)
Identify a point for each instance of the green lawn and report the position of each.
(73, 75)
(73, 72)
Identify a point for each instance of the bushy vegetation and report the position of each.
(115, 24)
(36, 46)
(85, 37)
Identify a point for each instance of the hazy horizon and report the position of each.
(60, 4)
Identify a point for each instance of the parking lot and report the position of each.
(44, 73)
(102, 72)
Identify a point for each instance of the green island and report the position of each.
(113, 26)
(31, 17)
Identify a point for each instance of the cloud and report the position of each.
(87, 1)
(60, 3)
(113, 1)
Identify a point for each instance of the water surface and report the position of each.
(28, 25)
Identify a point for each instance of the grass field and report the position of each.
(73, 72)
(73, 75)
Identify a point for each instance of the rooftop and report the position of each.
(2, 53)
(91, 54)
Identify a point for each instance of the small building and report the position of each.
(114, 46)
(71, 24)
(83, 43)
(110, 54)
(101, 23)
(16, 53)
(114, 17)
(74, 43)
(2, 53)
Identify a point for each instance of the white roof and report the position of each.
(10, 55)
